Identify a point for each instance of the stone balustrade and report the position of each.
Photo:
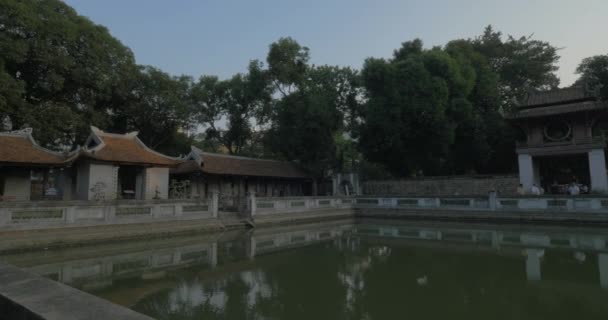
(56, 214)
(50, 214)
(267, 206)
(490, 203)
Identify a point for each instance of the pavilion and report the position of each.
(564, 141)
(109, 167)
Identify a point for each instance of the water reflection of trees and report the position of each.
(358, 277)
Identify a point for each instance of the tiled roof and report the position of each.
(558, 97)
(126, 149)
(540, 112)
(20, 148)
(214, 163)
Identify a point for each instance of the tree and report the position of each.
(593, 73)
(406, 127)
(287, 64)
(523, 64)
(159, 108)
(60, 70)
(317, 111)
(247, 96)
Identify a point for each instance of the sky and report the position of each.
(205, 37)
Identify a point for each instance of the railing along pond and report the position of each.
(45, 214)
(28, 215)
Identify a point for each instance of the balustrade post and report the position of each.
(70, 214)
(5, 216)
(492, 200)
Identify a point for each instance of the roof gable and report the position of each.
(124, 148)
(20, 148)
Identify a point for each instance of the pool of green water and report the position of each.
(348, 270)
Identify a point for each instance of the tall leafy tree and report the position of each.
(593, 73)
(160, 108)
(523, 64)
(62, 67)
(314, 106)
(405, 123)
(247, 96)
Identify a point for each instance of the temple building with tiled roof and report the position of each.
(26, 168)
(565, 139)
(235, 175)
(109, 167)
(121, 166)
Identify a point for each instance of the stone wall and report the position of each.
(443, 186)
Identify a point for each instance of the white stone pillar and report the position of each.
(251, 204)
(214, 205)
(526, 171)
(533, 264)
(597, 171)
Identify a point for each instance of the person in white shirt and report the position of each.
(535, 190)
(574, 190)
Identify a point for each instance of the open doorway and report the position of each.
(557, 172)
(130, 182)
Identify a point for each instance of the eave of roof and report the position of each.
(20, 149)
(558, 109)
(220, 164)
(126, 149)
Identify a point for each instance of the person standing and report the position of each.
(535, 190)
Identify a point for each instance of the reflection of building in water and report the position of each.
(602, 260)
(100, 272)
(532, 243)
(156, 268)
(533, 261)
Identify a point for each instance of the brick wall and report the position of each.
(443, 186)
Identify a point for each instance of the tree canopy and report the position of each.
(423, 111)
(593, 73)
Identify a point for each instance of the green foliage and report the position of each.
(287, 64)
(315, 104)
(594, 74)
(59, 69)
(430, 111)
(158, 106)
(522, 64)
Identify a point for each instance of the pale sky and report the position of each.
(197, 37)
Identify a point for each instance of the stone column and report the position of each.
(526, 171)
(533, 264)
(597, 171)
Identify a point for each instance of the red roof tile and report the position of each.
(21, 149)
(127, 149)
(214, 163)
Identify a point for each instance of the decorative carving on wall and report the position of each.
(558, 131)
(179, 189)
(99, 191)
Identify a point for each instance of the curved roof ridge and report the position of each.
(239, 157)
